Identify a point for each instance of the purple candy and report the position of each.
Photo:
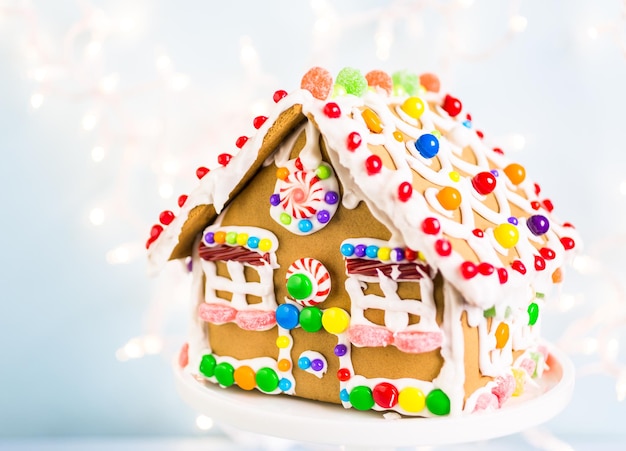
(512, 220)
(274, 199)
(538, 224)
(331, 198)
(323, 216)
(209, 238)
(340, 350)
(399, 253)
(359, 250)
(317, 365)
(495, 172)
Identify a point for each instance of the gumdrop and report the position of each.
(487, 402)
(505, 386)
(379, 79)
(430, 82)
(405, 82)
(318, 81)
(352, 81)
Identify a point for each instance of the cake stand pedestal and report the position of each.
(304, 421)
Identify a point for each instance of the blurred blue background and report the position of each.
(107, 108)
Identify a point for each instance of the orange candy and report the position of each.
(245, 377)
(284, 365)
(502, 335)
(398, 136)
(516, 173)
(557, 275)
(282, 173)
(449, 198)
(318, 82)
(220, 237)
(372, 120)
(430, 82)
(379, 79)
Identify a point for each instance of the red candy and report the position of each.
(241, 141)
(259, 121)
(547, 204)
(452, 105)
(537, 189)
(567, 243)
(503, 275)
(431, 226)
(443, 247)
(498, 150)
(155, 231)
(405, 191)
(484, 183)
(518, 266)
(547, 253)
(318, 82)
(298, 164)
(202, 171)
(479, 233)
(468, 270)
(385, 395)
(410, 254)
(373, 164)
(343, 374)
(430, 82)
(379, 79)
(535, 205)
(480, 134)
(540, 263)
(332, 110)
(279, 95)
(353, 141)
(486, 269)
(182, 199)
(224, 159)
(166, 217)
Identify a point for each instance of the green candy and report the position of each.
(533, 313)
(231, 237)
(353, 82)
(311, 319)
(207, 365)
(438, 402)
(323, 172)
(225, 374)
(299, 286)
(490, 312)
(405, 82)
(267, 379)
(361, 398)
(285, 218)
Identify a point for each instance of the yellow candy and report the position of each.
(413, 106)
(449, 198)
(384, 253)
(335, 320)
(245, 377)
(265, 244)
(454, 176)
(520, 377)
(242, 239)
(506, 234)
(502, 335)
(412, 399)
(436, 134)
(282, 173)
(372, 120)
(421, 256)
(283, 341)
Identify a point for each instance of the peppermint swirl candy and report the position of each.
(308, 281)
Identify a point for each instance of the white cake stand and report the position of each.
(301, 420)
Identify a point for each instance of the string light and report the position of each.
(204, 423)
(96, 216)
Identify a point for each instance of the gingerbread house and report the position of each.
(367, 247)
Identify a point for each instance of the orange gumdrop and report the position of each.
(430, 82)
(502, 335)
(379, 79)
(318, 82)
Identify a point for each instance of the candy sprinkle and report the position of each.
(318, 82)
(353, 82)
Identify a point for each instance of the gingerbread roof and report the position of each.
(410, 152)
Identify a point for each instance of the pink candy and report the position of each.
(412, 342)
(216, 313)
(183, 357)
(370, 336)
(505, 386)
(255, 319)
(487, 401)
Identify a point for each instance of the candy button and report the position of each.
(299, 286)
(284, 365)
(506, 235)
(413, 106)
(427, 145)
(225, 374)
(287, 316)
(340, 350)
(284, 384)
(331, 198)
(323, 172)
(242, 239)
(361, 398)
(253, 242)
(538, 224)
(304, 363)
(267, 379)
(412, 399)
(285, 218)
(245, 377)
(347, 249)
(516, 173)
(304, 225)
(335, 320)
(311, 319)
(283, 342)
(371, 251)
(282, 173)
(344, 395)
(317, 364)
(385, 395)
(207, 365)
(484, 183)
(449, 198)
(265, 244)
(438, 402)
